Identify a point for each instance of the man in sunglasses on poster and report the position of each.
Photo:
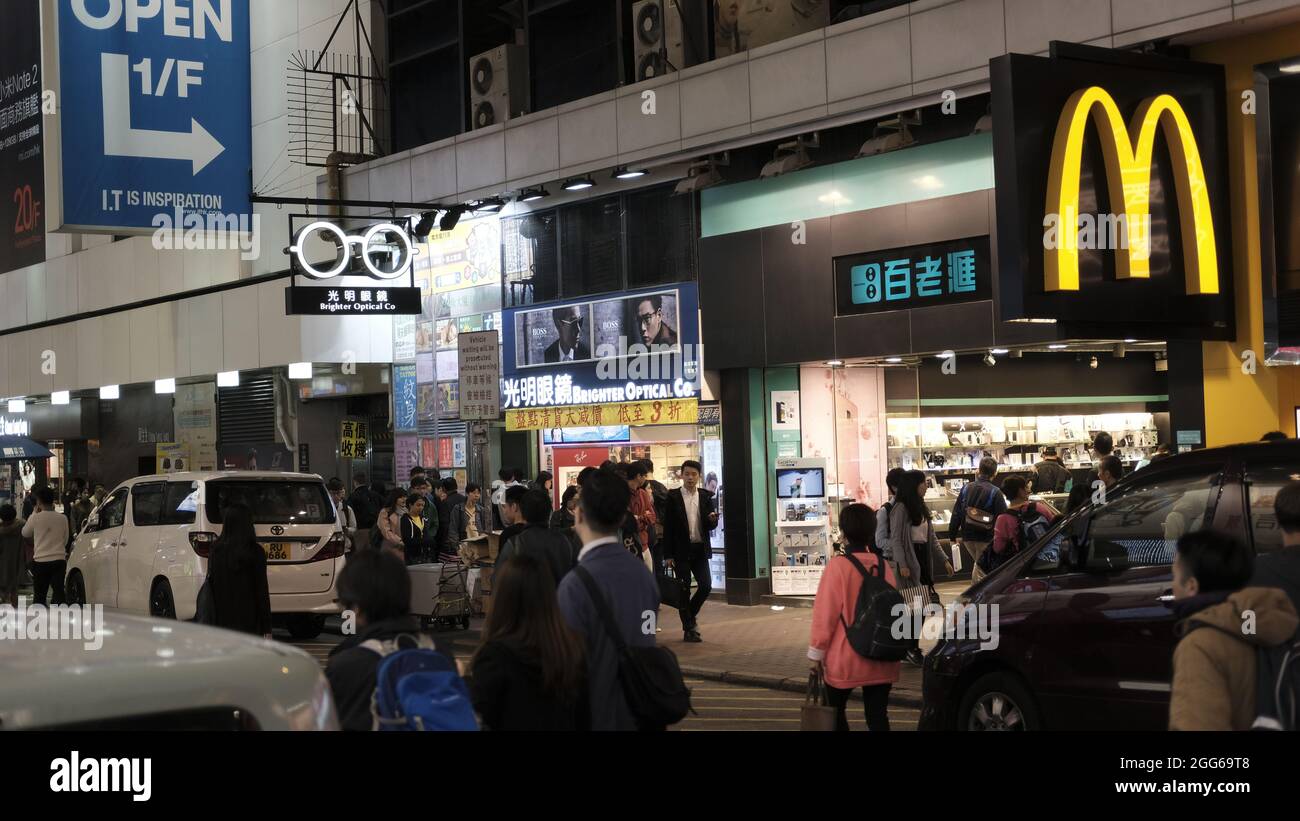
(569, 347)
(654, 331)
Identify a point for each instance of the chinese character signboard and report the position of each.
(656, 412)
(479, 365)
(352, 439)
(630, 347)
(404, 398)
(921, 275)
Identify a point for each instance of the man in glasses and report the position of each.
(569, 347)
(654, 331)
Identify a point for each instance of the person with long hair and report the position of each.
(833, 658)
(241, 599)
(529, 673)
(389, 521)
(913, 544)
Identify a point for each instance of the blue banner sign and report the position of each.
(156, 117)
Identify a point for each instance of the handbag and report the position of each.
(817, 715)
(672, 591)
(979, 522)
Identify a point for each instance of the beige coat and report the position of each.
(1214, 665)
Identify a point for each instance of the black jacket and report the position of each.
(1280, 568)
(506, 684)
(557, 548)
(419, 543)
(240, 597)
(677, 531)
(365, 503)
(352, 669)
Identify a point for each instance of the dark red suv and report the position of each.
(1085, 633)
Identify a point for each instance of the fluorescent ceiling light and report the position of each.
(625, 173)
(300, 370)
(894, 360)
(1057, 346)
(61, 398)
(578, 184)
(109, 392)
(835, 363)
(17, 405)
(164, 386)
(228, 379)
(999, 351)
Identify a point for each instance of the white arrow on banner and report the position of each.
(196, 146)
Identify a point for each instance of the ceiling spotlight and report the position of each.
(702, 174)
(625, 173)
(578, 183)
(790, 156)
(1092, 363)
(424, 225)
(990, 359)
(534, 194)
(450, 217)
(891, 134)
(490, 205)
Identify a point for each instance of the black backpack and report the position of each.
(1031, 525)
(871, 635)
(650, 676)
(1277, 686)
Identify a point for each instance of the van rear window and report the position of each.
(272, 502)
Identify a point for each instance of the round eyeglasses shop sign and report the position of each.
(383, 252)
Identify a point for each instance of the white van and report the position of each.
(145, 548)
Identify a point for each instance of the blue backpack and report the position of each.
(418, 688)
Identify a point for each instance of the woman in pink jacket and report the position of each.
(837, 596)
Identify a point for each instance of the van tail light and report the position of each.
(332, 549)
(202, 542)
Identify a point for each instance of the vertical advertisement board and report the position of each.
(22, 158)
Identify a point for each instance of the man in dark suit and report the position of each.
(686, 541)
(569, 347)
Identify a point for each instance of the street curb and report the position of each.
(906, 698)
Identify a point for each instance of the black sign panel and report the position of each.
(1032, 96)
(351, 301)
(22, 158)
(918, 276)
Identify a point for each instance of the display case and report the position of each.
(952, 447)
(801, 530)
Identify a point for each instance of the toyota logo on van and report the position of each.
(278, 530)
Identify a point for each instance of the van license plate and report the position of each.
(277, 551)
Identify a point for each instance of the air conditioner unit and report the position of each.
(498, 85)
(657, 38)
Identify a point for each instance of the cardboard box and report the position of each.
(484, 547)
